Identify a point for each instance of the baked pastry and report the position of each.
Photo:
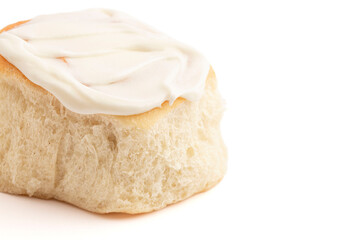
(103, 112)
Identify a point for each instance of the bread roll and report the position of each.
(103, 162)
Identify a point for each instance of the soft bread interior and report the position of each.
(106, 163)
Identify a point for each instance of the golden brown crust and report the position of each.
(11, 26)
(142, 120)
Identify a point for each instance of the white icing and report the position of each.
(114, 63)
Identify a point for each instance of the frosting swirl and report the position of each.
(103, 61)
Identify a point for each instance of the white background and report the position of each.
(289, 71)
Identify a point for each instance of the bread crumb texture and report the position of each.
(105, 163)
